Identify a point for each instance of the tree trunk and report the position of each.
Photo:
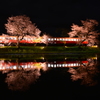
(80, 43)
(17, 42)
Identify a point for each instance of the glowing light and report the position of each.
(29, 66)
(14, 67)
(66, 47)
(48, 39)
(42, 47)
(71, 64)
(42, 58)
(63, 65)
(48, 65)
(38, 65)
(95, 46)
(65, 58)
(1, 45)
(54, 65)
(94, 57)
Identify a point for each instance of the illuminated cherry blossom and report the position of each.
(44, 39)
(21, 26)
(86, 32)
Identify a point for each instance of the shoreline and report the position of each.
(54, 50)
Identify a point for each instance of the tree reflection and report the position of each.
(22, 79)
(86, 73)
(20, 75)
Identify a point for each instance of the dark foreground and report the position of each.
(55, 83)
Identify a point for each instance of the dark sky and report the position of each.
(49, 15)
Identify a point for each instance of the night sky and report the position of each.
(50, 15)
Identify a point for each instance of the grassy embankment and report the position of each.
(48, 49)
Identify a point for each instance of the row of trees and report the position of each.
(21, 26)
(87, 31)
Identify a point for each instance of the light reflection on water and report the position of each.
(21, 74)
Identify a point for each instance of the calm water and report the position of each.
(67, 77)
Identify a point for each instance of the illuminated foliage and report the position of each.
(85, 32)
(44, 38)
(21, 26)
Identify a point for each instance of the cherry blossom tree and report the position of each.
(86, 32)
(44, 38)
(20, 26)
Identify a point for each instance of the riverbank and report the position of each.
(48, 50)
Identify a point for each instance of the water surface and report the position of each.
(71, 77)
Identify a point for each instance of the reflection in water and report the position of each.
(86, 73)
(9, 65)
(22, 79)
(20, 75)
